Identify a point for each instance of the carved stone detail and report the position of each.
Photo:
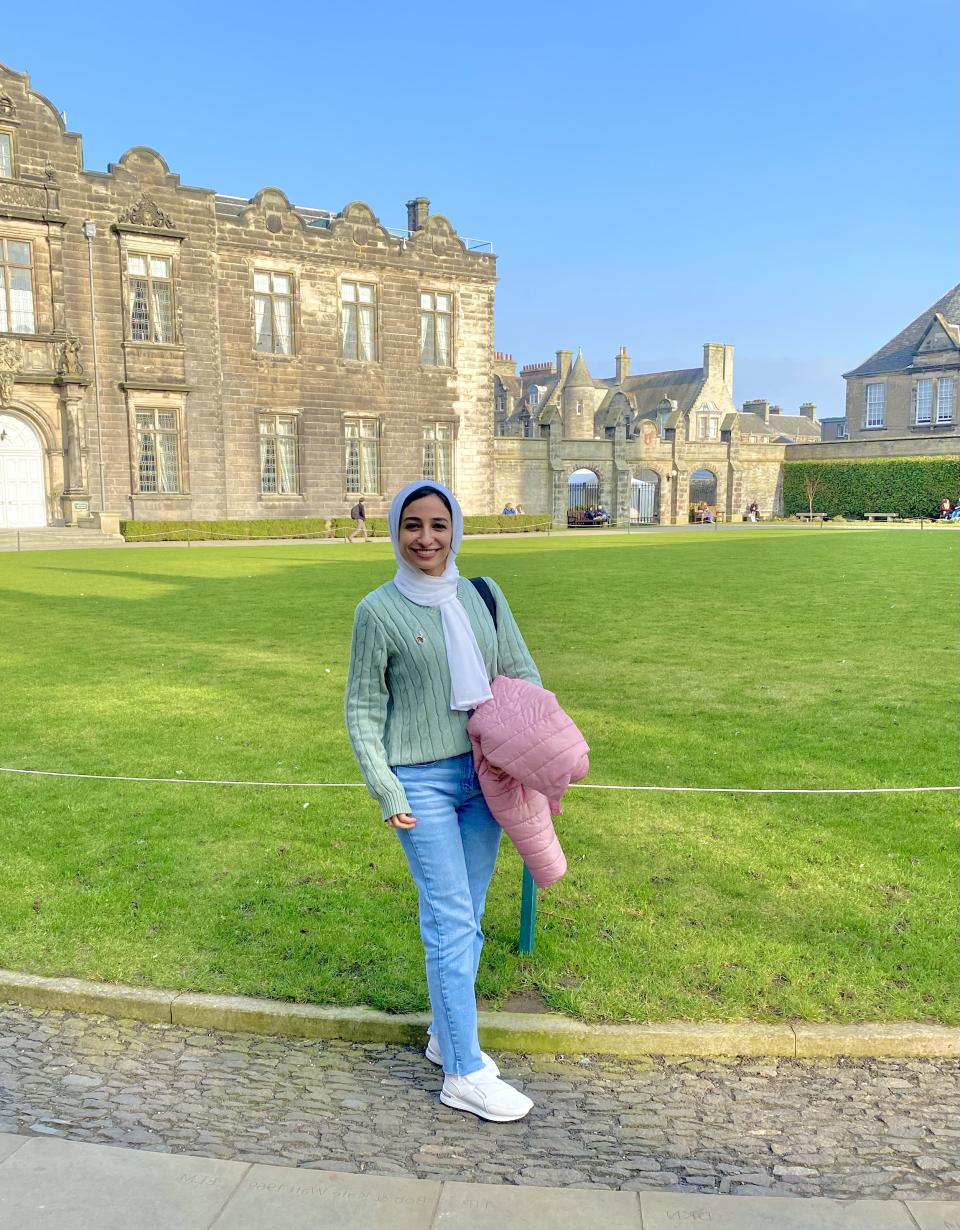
(23, 196)
(7, 109)
(68, 359)
(11, 361)
(146, 213)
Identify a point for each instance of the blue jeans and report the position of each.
(452, 852)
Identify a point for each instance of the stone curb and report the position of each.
(531, 1033)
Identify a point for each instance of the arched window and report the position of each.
(703, 487)
(533, 395)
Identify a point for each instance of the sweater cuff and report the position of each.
(394, 801)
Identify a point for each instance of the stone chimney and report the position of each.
(809, 411)
(718, 363)
(623, 365)
(776, 409)
(564, 359)
(417, 211)
(759, 406)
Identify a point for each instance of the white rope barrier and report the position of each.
(214, 781)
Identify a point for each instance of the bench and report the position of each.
(882, 516)
(700, 515)
(811, 516)
(576, 519)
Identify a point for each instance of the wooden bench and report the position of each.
(882, 516)
(700, 515)
(577, 519)
(811, 516)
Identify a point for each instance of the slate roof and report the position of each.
(579, 376)
(647, 391)
(782, 428)
(897, 354)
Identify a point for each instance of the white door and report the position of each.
(22, 500)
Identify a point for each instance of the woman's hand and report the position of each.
(402, 820)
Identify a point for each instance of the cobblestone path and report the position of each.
(777, 1127)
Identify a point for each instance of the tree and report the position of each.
(811, 485)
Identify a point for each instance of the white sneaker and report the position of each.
(483, 1094)
(433, 1054)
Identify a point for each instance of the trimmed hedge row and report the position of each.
(910, 486)
(304, 527)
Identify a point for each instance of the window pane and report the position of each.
(137, 264)
(348, 292)
(348, 330)
(287, 458)
(263, 323)
(261, 281)
(268, 466)
(946, 398)
(159, 266)
(366, 346)
(286, 427)
(353, 467)
(428, 350)
(148, 463)
(167, 419)
(266, 425)
(281, 284)
(145, 420)
(426, 302)
(17, 252)
(443, 303)
(924, 396)
(368, 428)
(6, 156)
(444, 464)
(168, 477)
(371, 466)
(444, 431)
(365, 293)
(21, 300)
(281, 312)
(443, 340)
(139, 314)
(162, 312)
(351, 428)
(429, 456)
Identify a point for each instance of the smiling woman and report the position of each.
(424, 652)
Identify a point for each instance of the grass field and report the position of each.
(757, 658)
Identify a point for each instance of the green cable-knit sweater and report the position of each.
(398, 688)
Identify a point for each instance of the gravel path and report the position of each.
(888, 1128)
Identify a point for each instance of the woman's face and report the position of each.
(426, 532)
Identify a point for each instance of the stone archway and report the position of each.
(645, 498)
(583, 490)
(23, 501)
(703, 488)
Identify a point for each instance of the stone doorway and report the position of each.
(23, 500)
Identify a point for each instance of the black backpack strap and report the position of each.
(486, 593)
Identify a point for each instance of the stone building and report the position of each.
(645, 446)
(907, 390)
(169, 352)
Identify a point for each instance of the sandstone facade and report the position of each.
(168, 352)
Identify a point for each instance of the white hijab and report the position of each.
(469, 683)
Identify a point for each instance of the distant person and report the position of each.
(508, 510)
(708, 516)
(753, 511)
(359, 515)
(519, 510)
(946, 508)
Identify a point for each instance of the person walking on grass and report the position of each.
(424, 651)
(359, 514)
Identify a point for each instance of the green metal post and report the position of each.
(528, 912)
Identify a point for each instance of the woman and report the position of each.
(424, 651)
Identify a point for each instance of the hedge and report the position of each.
(303, 527)
(910, 486)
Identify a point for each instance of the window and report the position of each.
(6, 155)
(579, 407)
(922, 401)
(16, 286)
(842, 430)
(946, 398)
(273, 312)
(708, 427)
(362, 448)
(438, 453)
(874, 405)
(278, 454)
(151, 297)
(436, 329)
(533, 395)
(358, 322)
(158, 452)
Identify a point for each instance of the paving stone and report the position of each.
(9, 1144)
(267, 1198)
(935, 1214)
(463, 1207)
(663, 1211)
(70, 1186)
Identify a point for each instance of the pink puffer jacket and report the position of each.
(527, 751)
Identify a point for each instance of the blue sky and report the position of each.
(779, 177)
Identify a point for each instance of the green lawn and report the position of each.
(755, 658)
